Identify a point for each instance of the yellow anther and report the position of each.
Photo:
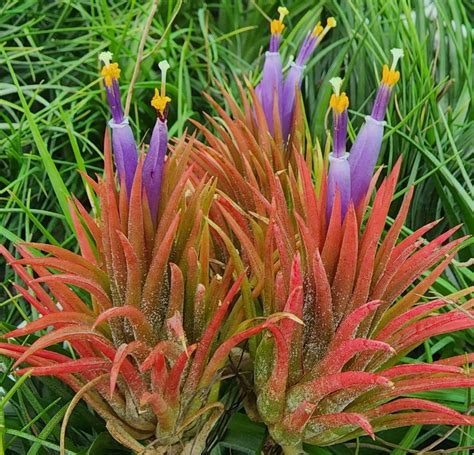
(159, 102)
(110, 72)
(339, 102)
(389, 76)
(318, 29)
(321, 32)
(277, 26)
(331, 22)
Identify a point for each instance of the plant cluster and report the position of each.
(245, 231)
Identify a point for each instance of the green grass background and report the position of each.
(53, 114)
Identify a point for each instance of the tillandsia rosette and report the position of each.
(146, 304)
(244, 231)
(316, 246)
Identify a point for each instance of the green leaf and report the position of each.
(242, 435)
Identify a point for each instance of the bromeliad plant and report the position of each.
(144, 302)
(187, 252)
(321, 252)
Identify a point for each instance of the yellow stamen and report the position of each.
(389, 75)
(339, 101)
(277, 26)
(322, 32)
(159, 102)
(110, 71)
(318, 29)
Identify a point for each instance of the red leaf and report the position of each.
(409, 316)
(52, 319)
(417, 368)
(136, 317)
(338, 357)
(403, 404)
(332, 245)
(343, 283)
(208, 337)
(315, 390)
(174, 379)
(348, 327)
(83, 283)
(40, 293)
(296, 421)
(73, 366)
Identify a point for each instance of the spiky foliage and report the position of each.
(141, 306)
(357, 286)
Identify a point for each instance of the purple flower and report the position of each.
(366, 148)
(123, 142)
(276, 28)
(125, 151)
(295, 75)
(269, 88)
(339, 179)
(363, 157)
(153, 165)
(339, 175)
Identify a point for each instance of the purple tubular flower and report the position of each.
(307, 48)
(274, 42)
(295, 75)
(381, 102)
(152, 172)
(339, 179)
(270, 87)
(293, 82)
(113, 97)
(363, 157)
(366, 148)
(290, 88)
(123, 142)
(153, 165)
(125, 152)
(276, 29)
(339, 132)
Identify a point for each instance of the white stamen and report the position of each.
(106, 57)
(336, 83)
(164, 67)
(283, 12)
(397, 55)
